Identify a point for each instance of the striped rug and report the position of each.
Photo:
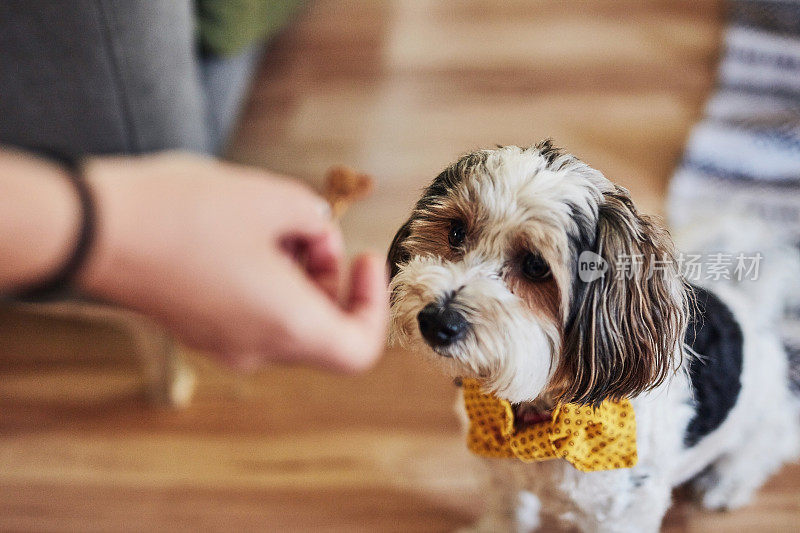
(744, 156)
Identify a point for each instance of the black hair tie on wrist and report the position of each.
(59, 282)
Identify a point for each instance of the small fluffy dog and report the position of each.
(485, 283)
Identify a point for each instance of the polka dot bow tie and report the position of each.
(591, 439)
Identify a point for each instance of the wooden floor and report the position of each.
(397, 89)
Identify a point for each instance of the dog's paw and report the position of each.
(726, 497)
(716, 493)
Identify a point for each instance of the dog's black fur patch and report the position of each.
(581, 241)
(715, 335)
(548, 150)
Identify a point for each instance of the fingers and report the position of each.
(367, 309)
(368, 296)
(348, 338)
(322, 261)
(320, 256)
(311, 238)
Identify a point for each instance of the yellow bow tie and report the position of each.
(591, 439)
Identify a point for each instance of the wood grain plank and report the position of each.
(397, 88)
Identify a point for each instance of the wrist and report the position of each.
(114, 195)
(135, 236)
(47, 225)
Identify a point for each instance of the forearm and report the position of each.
(39, 219)
(202, 247)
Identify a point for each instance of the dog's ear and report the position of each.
(397, 253)
(625, 327)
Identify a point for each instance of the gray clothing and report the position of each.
(226, 81)
(112, 76)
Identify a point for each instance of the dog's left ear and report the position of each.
(624, 328)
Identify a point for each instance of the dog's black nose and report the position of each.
(441, 326)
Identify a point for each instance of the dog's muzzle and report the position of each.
(441, 325)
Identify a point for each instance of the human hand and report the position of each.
(234, 260)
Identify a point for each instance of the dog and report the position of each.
(508, 273)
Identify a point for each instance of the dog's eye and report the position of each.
(457, 235)
(534, 267)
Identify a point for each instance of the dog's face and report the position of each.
(485, 280)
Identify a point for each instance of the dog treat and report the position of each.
(343, 186)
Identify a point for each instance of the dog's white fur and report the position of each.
(519, 195)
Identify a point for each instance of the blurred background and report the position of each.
(397, 89)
